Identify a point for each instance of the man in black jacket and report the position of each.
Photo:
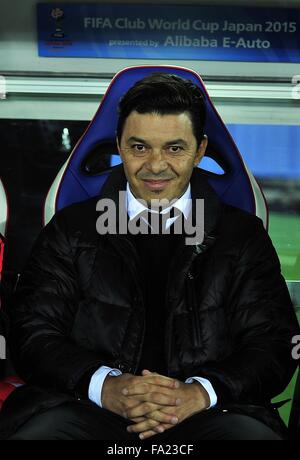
(128, 335)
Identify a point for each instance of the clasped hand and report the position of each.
(153, 402)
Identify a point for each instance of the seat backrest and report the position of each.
(8, 385)
(3, 222)
(1, 256)
(75, 182)
(3, 210)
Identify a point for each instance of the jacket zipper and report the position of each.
(192, 306)
(139, 297)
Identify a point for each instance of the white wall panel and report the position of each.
(18, 45)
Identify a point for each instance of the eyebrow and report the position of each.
(136, 139)
(177, 141)
(172, 142)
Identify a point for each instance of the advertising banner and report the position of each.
(169, 32)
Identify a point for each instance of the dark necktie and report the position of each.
(158, 221)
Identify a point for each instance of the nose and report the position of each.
(156, 162)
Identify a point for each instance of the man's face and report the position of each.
(159, 153)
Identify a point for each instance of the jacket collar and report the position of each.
(135, 207)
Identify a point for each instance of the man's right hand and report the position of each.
(114, 399)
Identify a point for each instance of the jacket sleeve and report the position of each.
(43, 312)
(262, 323)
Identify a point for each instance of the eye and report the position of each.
(175, 149)
(140, 148)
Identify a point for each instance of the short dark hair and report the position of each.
(164, 94)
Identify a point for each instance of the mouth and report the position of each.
(156, 184)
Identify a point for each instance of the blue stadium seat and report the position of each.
(75, 183)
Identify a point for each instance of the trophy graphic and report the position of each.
(57, 14)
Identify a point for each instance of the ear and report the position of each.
(201, 150)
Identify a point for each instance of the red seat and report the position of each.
(7, 386)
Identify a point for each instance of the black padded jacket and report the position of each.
(79, 304)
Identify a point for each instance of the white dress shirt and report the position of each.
(134, 207)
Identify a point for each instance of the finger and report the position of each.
(131, 402)
(156, 430)
(151, 411)
(162, 417)
(174, 383)
(143, 426)
(138, 419)
(148, 411)
(157, 398)
(141, 410)
(146, 372)
(154, 377)
(147, 434)
(142, 382)
(153, 393)
(142, 387)
(162, 427)
(162, 380)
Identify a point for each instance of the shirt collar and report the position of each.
(135, 207)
